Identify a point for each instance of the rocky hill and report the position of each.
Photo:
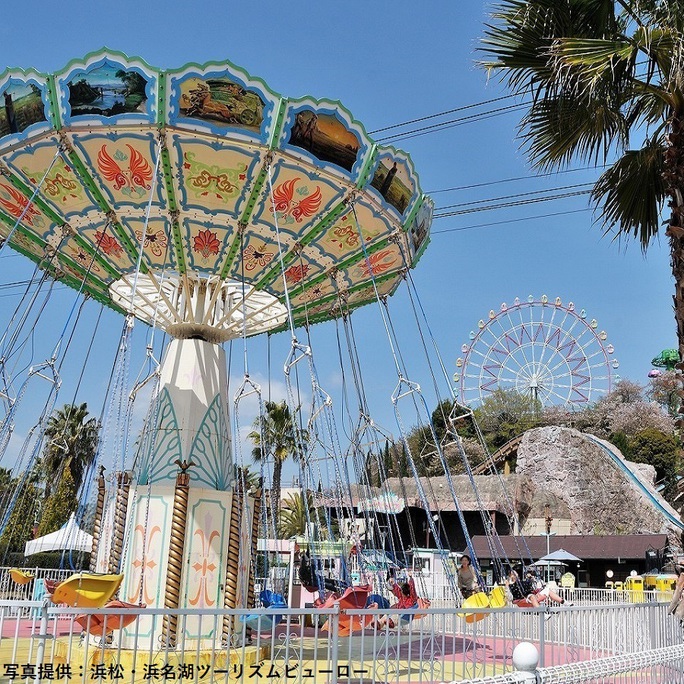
(574, 472)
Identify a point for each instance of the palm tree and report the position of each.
(601, 75)
(71, 443)
(276, 436)
(295, 516)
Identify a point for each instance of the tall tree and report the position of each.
(276, 436)
(71, 441)
(601, 75)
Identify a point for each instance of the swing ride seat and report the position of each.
(101, 624)
(498, 597)
(524, 603)
(477, 600)
(353, 598)
(261, 622)
(20, 576)
(50, 586)
(87, 590)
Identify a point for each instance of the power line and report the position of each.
(516, 220)
(452, 123)
(517, 178)
(444, 113)
(519, 194)
(506, 205)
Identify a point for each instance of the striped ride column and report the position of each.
(176, 550)
(232, 564)
(97, 524)
(256, 520)
(123, 485)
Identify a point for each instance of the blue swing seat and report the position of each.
(261, 622)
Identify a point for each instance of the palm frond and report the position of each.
(631, 193)
(557, 129)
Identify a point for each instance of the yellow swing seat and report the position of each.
(497, 597)
(20, 576)
(478, 600)
(87, 590)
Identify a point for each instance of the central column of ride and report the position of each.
(178, 549)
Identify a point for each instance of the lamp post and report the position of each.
(548, 520)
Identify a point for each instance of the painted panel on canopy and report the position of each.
(257, 255)
(206, 244)
(122, 164)
(367, 294)
(92, 227)
(62, 187)
(24, 105)
(383, 261)
(301, 198)
(323, 132)
(13, 203)
(212, 176)
(221, 99)
(107, 88)
(394, 182)
(299, 272)
(23, 241)
(311, 295)
(419, 229)
(158, 245)
(341, 240)
(85, 260)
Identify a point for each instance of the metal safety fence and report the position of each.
(39, 642)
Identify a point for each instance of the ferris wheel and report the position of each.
(541, 348)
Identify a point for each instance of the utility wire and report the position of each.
(517, 203)
(452, 123)
(489, 224)
(519, 194)
(516, 178)
(444, 113)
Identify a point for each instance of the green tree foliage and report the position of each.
(71, 440)
(606, 81)
(505, 414)
(61, 504)
(24, 514)
(293, 517)
(663, 452)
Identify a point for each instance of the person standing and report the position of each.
(467, 578)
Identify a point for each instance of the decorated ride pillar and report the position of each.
(176, 548)
(168, 558)
(123, 485)
(97, 523)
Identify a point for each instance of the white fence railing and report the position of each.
(11, 591)
(325, 645)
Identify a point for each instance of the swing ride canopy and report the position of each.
(173, 194)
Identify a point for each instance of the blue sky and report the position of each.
(387, 62)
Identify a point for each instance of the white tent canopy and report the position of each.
(69, 537)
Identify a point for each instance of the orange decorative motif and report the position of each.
(295, 274)
(108, 244)
(205, 243)
(132, 181)
(156, 240)
(378, 263)
(256, 256)
(144, 566)
(14, 203)
(290, 208)
(205, 567)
